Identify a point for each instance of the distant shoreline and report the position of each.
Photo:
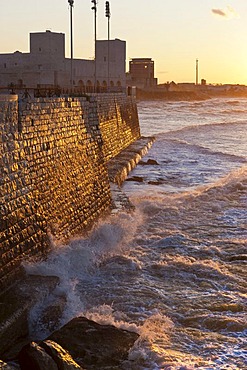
(187, 95)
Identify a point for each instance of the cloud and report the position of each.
(219, 12)
(227, 13)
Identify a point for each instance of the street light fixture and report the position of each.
(71, 3)
(108, 15)
(94, 8)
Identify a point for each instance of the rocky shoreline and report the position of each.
(187, 95)
(80, 344)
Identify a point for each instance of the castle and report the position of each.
(46, 65)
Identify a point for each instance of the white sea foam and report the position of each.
(174, 270)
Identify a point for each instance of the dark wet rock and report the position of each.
(5, 366)
(15, 304)
(51, 316)
(47, 355)
(150, 162)
(61, 357)
(95, 346)
(158, 182)
(135, 178)
(33, 357)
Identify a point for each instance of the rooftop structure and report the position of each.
(141, 73)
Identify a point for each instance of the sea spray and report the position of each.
(173, 270)
(75, 262)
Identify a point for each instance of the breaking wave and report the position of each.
(173, 270)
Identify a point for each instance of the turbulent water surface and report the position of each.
(174, 270)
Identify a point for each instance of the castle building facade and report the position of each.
(46, 65)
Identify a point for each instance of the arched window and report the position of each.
(80, 83)
(89, 86)
(104, 86)
(119, 84)
(98, 87)
(111, 83)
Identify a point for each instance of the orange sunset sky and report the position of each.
(174, 33)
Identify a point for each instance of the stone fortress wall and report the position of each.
(53, 168)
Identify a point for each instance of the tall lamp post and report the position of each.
(196, 71)
(94, 8)
(108, 15)
(71, 3)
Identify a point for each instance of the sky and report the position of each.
(174, 33)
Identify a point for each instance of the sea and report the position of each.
(174, 268)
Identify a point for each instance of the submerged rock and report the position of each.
(95, 346)
(135, 178)
(158, 182)
(150, 162)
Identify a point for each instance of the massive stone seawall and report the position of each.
(53, 173)
(119, 124)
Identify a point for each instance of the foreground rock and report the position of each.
(80, 344)
(62, 358)
(5, 366)
(46, 356)
(15, 305)
(32, 356)
(95, 346)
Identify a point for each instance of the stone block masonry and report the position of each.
(119, 124)
(53, 169)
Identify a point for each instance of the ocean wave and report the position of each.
(173, 270)
(204, 149)
(199, 127)
(234, 183)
